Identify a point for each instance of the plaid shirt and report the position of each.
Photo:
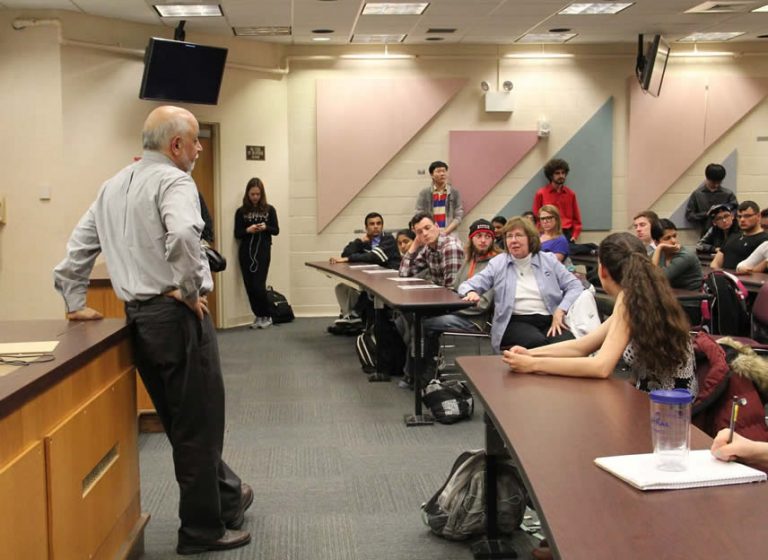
(443, 262)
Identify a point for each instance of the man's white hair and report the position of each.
(157, 137)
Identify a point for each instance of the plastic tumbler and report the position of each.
(671, 428)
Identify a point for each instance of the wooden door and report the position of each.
(203, 176)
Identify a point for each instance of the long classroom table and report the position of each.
(69, 467)
(434, 300)
(554, 427)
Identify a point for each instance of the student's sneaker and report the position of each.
(351, 319)
(405, 383)
(256, 323)
(266, 322)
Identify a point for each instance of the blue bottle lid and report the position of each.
(674, 396)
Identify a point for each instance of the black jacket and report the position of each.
(386, 254)
(715, 238)
(701, 200)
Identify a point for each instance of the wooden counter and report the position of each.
(69, 468)
(102, 298)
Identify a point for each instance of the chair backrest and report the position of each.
(760, 315)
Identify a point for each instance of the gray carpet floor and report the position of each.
(336, 473)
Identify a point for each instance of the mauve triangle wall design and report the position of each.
(362, 124)
(589, 154)
(668, 133)
(480, 159)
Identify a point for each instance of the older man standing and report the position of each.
(146, 220)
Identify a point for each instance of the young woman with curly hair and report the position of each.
(648, 328)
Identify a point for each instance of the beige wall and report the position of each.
(73, 118)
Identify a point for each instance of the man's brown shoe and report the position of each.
(230, 539)
(246, 499)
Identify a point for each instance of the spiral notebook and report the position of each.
(703, 470)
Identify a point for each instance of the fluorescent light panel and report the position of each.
(188, 10)
(594, 8)
(394, 9)
(374, 56)
(546, 38)
(761, 9)
(538, 55)
(378, 39)
(710, 37)
(266, 31)
(701, 54)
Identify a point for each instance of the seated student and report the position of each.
(753, 453)
(440, 255)
(530, 216)
(478, 251)
(648, 328)
(642, 224)
(764, 219)
(756, 262)
(723, 226)
(682, 269)
(498, 224)
(532, 290)
(373, 247)
(738, 247)
(404, 238)
(552, 238)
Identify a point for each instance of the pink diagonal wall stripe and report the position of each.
(480, 159)
(667, 134)
(362, 124)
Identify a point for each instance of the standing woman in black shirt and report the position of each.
(255, 224)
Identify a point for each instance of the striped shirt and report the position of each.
(438, 207)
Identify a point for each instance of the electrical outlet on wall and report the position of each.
(2, 209)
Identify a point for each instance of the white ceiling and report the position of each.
(476, 21)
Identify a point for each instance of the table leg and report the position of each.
(379, 318)
(492, 546)
(415, 369)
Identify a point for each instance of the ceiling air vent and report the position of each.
(266, 31)
(441, 30)
(721, 7)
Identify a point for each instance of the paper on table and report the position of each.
(400, 279)
(703, 470)
(363, 266)
(380, 271)
(43, 346)
(419, 286)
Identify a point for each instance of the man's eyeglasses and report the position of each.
(747, 216)
(724, 218)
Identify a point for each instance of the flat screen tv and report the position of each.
(652, 63)
(181, 71)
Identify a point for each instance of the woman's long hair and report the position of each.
(552, 209)
(658, 327)
(262, 205)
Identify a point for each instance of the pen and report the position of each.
(736, 402)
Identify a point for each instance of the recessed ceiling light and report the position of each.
(434, 38)
(594, 8)
(188, 10)
(761, 9)
(265, 31)
(378, 39)
(322, 31)
(710, 37)
(560, 30)
(321, 38)
(546, 37)
(394, 9)
(441, 30)
(762, 36)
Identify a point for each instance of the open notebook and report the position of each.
(703, 470)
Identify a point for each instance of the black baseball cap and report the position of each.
(480, 226)
(715, 208)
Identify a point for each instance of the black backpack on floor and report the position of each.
(279, 308)
(727, 314)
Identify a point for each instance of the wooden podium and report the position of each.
(101, 297)
(69, 467)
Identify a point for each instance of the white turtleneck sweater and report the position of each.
(527, 295)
